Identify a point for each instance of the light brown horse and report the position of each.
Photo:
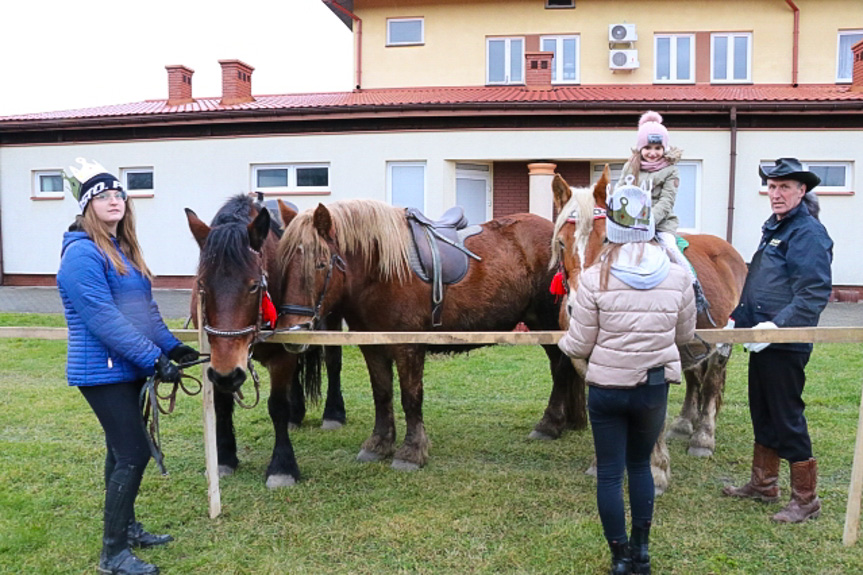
(352, 258)
(578, 237)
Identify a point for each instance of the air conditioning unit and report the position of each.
(623, 59)
(622, 33)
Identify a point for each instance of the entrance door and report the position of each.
(472, 191)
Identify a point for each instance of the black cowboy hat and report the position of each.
(790, 169)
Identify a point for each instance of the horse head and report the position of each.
(579, 230)
(236, 253)
(312, 268)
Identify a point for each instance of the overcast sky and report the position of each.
(67, 54)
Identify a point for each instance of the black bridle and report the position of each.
(314, 313)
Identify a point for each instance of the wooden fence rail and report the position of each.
(784, 335)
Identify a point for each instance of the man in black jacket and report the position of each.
(788, 285)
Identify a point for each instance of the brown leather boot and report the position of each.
(764, 483)
(804, 502)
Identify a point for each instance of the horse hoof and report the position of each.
(276, 481)
(700, 451)
(591, 471)
(402, 465)
(680, 429)
(540, 436)
(366, 456)
(293, 426)
(225, 471)
(331, 424)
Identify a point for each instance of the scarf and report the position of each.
(646, 273)
(655, 166)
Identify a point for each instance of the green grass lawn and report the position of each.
(489, 501)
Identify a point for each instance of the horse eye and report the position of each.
(320, 265)
(254, 287)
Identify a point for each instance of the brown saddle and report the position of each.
(440, 255)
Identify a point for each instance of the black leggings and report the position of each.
(117, 407)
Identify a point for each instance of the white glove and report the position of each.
(730, 324)
(756, 347)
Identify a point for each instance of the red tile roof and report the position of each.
(490, 97)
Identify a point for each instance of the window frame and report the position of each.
(730, 51)
(291, 177)
(420, 42)
(571, 4)
(407, 164)
(558, 63)
(822, 189)
(141, 192)
(672, 56)
(36, 192)
(698, 192)
(839, 35)
(507, 60)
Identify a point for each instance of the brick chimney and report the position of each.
(179, 85)
(538, 70)
(857, 69)
(236, 82)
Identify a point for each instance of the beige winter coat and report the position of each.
(624, 331)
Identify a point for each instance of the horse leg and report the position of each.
(283, 470)
(226, 441)
(703, 441)
(660, 465)
(567, 408)
(683, 423)
(334, 409)
(297, 407)
(414, 451)
(381, 443)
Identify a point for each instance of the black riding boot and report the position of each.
(638, 549)
(621, 564)
(117, 558)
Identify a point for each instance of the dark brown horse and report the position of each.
(352, 258)
(236, 272)
(578, 238)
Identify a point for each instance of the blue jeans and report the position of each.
(626, 424)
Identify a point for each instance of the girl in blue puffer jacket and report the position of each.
(116, 340)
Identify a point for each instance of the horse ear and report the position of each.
(287, 212)
(199, 229)
(562, 192)
(601, 188)
(258, 229)
(323, 222)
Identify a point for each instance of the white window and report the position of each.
(564, 65)
(614, 168)
(505, 61)
(688, 196)
(731, 59)
(844, 56)
(137, 181)
(675, 58)
(835, 176)
(405, 31)
(291, 178)
(48, 184)
(406, 184)
(560, 3)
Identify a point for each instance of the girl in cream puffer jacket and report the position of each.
(628, 315)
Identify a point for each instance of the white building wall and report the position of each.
(201, 174)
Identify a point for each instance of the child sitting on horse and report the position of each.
(654, 161)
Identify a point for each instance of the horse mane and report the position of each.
(373, 229)
(227, 246)
(581, 204)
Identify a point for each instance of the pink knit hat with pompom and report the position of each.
(651, 130)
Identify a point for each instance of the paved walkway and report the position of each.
(175, 304)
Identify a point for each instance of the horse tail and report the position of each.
(309, 372)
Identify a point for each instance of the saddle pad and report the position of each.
(682, 244)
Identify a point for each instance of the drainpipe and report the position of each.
(358, 39)
(795, 53)
(732, 170)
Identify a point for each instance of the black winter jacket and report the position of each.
(789, 280)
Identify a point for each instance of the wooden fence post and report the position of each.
(214, 496)
(855, 488)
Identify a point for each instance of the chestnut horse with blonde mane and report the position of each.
(578, 238)
(352, 258)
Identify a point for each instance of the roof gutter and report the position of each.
(358, 39)
(796, 49)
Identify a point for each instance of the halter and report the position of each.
(336, 261)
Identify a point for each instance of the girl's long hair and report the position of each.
(635, 164)
(126, 237)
